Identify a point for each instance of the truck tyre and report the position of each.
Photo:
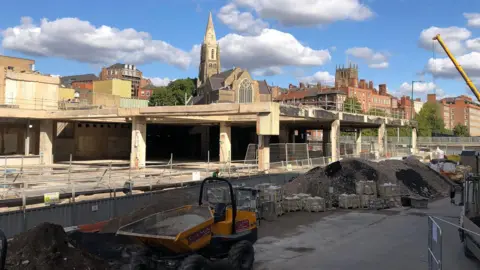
(241, 256)
(467, 251)
(195, 262)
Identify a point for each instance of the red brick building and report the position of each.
(146, 92)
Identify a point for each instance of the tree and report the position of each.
(461, 130)
(162, 96)
(377, 112)
(352, 105)
(174, 93)
(430, 120)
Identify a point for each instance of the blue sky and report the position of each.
(289, 40)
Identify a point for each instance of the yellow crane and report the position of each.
(458, 67)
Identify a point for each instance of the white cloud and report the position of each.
(79, 40)
(454, 38)
(374, 59)
(271, 48)
(322, 77)
(161, 81)
(242, 22)
(473, 44)
(270, 71)
(420, 89)
(308, 12)
(443, 67)
(473, 19)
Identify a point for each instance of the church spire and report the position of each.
(210, 37)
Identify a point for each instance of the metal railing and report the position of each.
(356, 108)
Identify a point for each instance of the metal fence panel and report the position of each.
(434, 245)
(127, 204)
(58, 214)
(12, 223)
(87, 212)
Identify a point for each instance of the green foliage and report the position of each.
(173, 93)
(461, 130)
(370, 132)
(429, 120)
(377, 112)
(352, 105)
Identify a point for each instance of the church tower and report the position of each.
(210, 54)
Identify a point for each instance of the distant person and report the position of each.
(216, 173)
(452, 195)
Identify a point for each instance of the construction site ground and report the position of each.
(105, 174)
(362, 240)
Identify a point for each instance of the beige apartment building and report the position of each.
(124, 72)
(459, 110)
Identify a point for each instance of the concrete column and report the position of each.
(358, 142)
(335, 139)
(382, 133)
(264, 153)
(46, 141)
(325, 142)
(225, 142)
(27, 139)
(138, 151)
(414, 140)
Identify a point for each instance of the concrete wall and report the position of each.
(116, 87)
(31, 91)
(12, 139)
(65, 93)
(133, 103)
(17, 63)
(94, 141)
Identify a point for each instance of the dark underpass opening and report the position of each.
(195, 143)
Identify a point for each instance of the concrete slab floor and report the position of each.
(358, 240)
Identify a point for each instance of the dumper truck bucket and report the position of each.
(179, 230)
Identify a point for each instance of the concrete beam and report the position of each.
(139, 148)
(46, 141)
(225, 142)
(211, 109)
(269, 123)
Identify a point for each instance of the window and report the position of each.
(142, 93)
(212, 54)
(10, 68)
(245, 92)
(148, 93)
(210, 65)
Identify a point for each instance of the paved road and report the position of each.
(359, 240)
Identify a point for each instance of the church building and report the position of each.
(228, 86)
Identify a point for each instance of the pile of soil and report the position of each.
(46, 247)
(412, 177)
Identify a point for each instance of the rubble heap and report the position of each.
(46, 247)
(411, 176)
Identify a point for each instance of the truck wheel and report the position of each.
(467, 251)
(195, 262)
(241, 256)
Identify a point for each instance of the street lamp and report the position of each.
(412, 103)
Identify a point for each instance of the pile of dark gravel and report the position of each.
(46, 247)
(412, 177)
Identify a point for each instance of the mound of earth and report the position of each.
(412, 177)
(46, 247)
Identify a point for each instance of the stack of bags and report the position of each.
(366, 190)
(347, 201)
(292, 204)
(314, 204)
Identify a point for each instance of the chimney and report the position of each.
(302, 85)
(290, 86)
(370, 85)
(362, 84)
(382, 89)
(431, 98)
